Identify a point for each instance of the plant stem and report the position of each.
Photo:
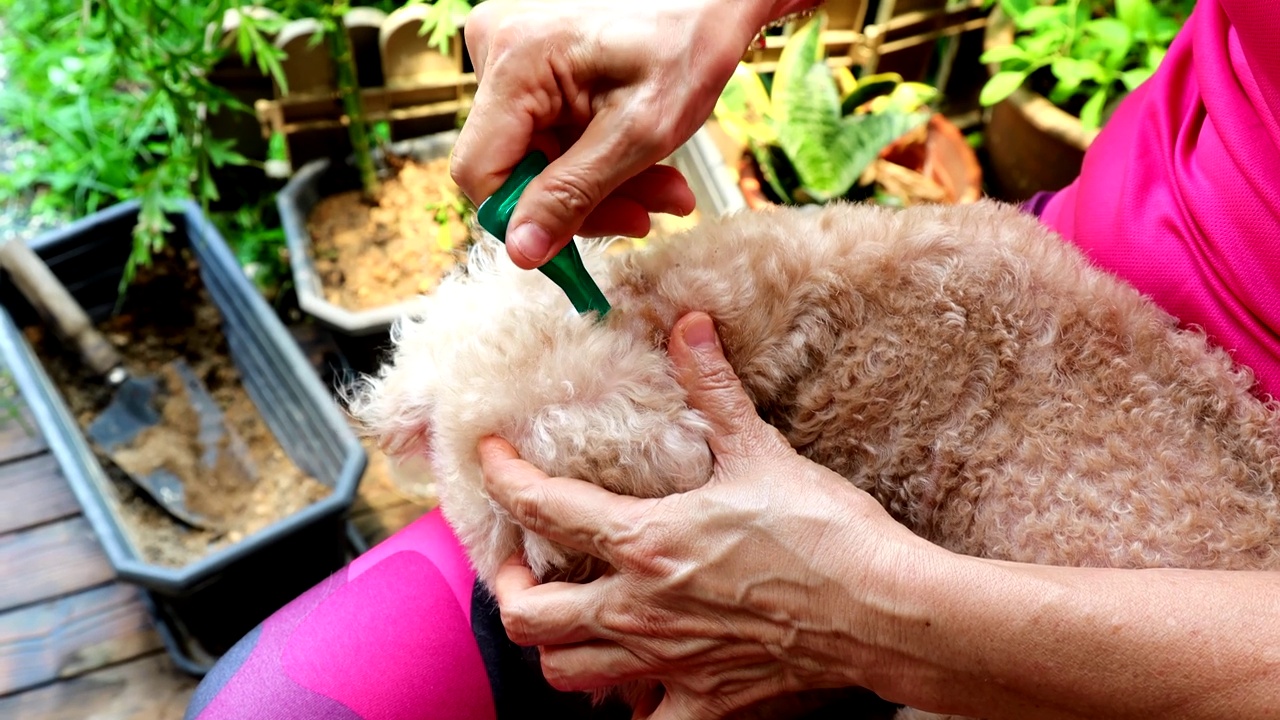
(348, 87)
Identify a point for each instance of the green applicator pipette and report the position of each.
(566, 268)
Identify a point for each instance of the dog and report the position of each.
(994, 391)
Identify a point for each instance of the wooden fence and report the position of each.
(418, 90)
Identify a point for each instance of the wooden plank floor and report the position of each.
(76, 644)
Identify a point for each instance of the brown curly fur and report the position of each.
(996, 393)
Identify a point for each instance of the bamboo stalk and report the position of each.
(349, 89)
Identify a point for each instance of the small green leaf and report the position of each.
(870, 87)
(1133, 78)
(744, 109)
(1164, 29)
(1136, 14)
(1155, 56)
(1114, 35)
(764, 158)
(1016, 8)
(1091, 113)
(1046, 42)
(1042, 16)
(222, 152)
(1003, 53)
(1000, 86)
(1075, 71)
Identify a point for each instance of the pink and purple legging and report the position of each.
(402, 633)
(405, 633)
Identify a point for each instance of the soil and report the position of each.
(168, 316)
(375, 255)
(371, 256)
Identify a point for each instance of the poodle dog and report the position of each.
(996, 393)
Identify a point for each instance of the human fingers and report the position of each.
(571, 512)
(658, 189)
(619, 142)
(541, 614)
(716, 392)
(590, 665)
(495, 136)
(477, 31)
(617, 215)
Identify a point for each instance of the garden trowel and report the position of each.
(161, 431)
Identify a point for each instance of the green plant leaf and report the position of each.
(1001, 85)
(744, 109)
(801, 71)
(1091, 113)
(1115, 36)
(1046, 41)
(764, 158)
(222, 152)
(1003, 53)
(907, 97)
(808, 108)
(1076, 72)
(1155, 56)
(1042, 16)
(1016, 8)
(870, 87)
(1133, 78)
(1136, 14)
(1164, 29)
(860, 140)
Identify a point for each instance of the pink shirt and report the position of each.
(1180, 193)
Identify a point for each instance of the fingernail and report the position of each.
(700, 334)
(531, 241)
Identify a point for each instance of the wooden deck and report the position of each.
(75, 643)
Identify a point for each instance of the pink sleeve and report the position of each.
(1256, 26)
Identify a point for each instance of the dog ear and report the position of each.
(388, 411)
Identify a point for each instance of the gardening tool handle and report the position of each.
(56, 305)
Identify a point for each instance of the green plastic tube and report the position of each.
(565, 269)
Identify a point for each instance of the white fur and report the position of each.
(498, 350)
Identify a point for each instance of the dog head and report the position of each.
(497, 350)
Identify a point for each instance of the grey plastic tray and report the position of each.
(224, 594)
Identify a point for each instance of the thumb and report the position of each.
(716, 392)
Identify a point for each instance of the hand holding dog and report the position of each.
(733, 593)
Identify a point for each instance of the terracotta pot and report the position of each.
(935, 165)
(941, 166)
(1032, 144)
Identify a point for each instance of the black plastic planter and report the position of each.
(205, 606)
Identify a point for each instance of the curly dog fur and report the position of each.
(995, 392)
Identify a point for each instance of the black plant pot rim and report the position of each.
(83, 471)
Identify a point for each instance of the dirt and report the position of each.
(371, 255)
(168, 315)
(375, 255)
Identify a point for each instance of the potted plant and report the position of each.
(275, 537)
(367, 233)
(817, 134)
(1057, 72)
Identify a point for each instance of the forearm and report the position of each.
(999, 640)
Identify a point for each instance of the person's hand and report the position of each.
(766, 581)
(607, 89)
